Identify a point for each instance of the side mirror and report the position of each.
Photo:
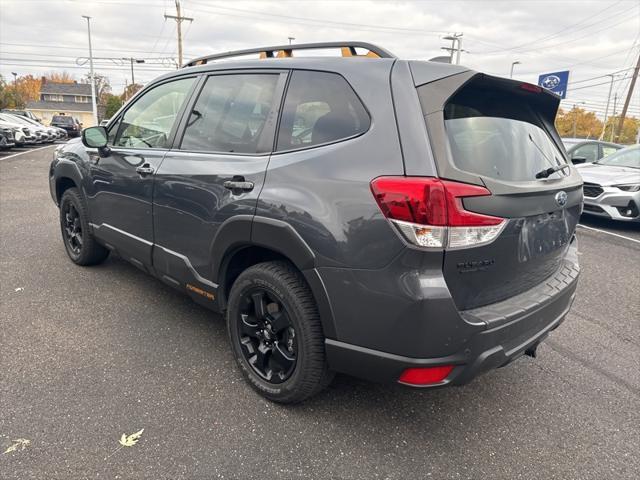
(577, 160)
(96, 137)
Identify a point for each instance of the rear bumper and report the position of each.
(506, 330)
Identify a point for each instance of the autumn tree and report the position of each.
(629, 130)
(130, 90)
(103, 87)
(7, 95)
(579, 123)
(59, 77)
(28, 88)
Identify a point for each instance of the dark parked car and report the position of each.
(400, 221)
(588, 151)
(67, 123)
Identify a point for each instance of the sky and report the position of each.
(590, 38)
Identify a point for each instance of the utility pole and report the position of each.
(606, 110)
(179, 19)
(93, 80)
(628, 99)
(455, 38)
(613, 116)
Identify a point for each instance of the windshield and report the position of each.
(629, 157)
(62, 119)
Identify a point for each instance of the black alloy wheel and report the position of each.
(79, 242)
(72, 229)
(276, 332)
(267, 335)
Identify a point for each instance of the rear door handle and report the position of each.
(145, 169)
(238, 185)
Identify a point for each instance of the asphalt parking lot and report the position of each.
(89, 354)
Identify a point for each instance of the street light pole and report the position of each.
(93, 80)
(132, 60)
(15, 88)
(513, 64)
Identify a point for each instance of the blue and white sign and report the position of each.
(556, 82)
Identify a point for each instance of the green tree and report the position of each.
(113, 104)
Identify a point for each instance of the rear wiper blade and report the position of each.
(548, 171)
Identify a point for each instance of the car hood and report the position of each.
(11, 125)
(608, 175)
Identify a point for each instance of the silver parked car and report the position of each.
(581, 150)
(612, 185)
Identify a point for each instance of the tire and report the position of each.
(77, 237)
(286, 294)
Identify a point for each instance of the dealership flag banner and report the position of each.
(556, 82)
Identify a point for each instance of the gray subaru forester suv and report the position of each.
(399, 221)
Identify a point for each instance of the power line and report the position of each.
(557, 33)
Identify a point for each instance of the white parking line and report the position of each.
(609, 233)
(27, 151)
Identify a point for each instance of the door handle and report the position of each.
(145, 169)
(238, 185)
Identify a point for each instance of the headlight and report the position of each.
(631, 187)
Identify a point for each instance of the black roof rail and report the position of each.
(348, 49)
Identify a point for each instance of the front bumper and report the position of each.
(502, 332)
(615, 204)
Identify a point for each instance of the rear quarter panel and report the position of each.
(324, 193)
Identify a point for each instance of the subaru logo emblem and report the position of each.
(561, 198)
(550, 82)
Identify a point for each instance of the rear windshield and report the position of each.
(62, 119)
(497, 133)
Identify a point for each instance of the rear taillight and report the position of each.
(429, 212)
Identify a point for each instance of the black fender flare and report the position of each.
(242, 231)
(66, 169)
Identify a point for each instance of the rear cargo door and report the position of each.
(500, 134)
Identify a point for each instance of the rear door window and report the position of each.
(231, 113)
(320, 108)
(498, 134)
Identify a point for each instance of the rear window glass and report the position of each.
(320, 108)
(498, 134)
(62, 119)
